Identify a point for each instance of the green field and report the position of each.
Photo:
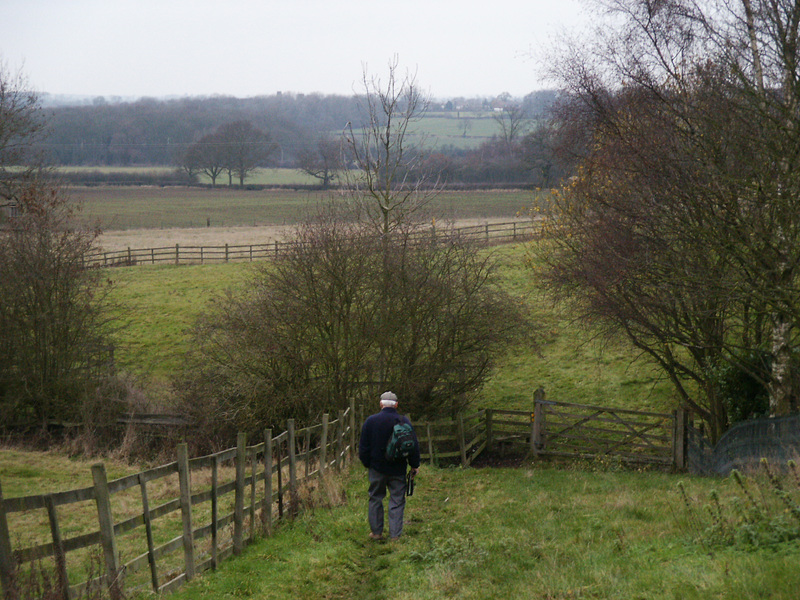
(525, 533)
(161, 303)
(462, 130)
(119, 207)
(146, 207)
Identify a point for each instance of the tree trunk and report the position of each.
(780, 383)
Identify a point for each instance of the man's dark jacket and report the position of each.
(375, 436)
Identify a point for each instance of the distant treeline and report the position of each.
(154, 132)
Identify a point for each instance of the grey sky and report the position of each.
(250, 47)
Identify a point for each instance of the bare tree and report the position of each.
(365, 298)
(244, 147)
(386, 180)
(21, 126)
(237, 147)
(464, 125)
(682, 225)
(54, 323)
(307, 336)
(512, 121)
(322, 161)
(207, 156)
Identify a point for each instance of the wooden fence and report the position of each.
(167, 524)
(585, 431)
(158, 528)
(180, 255)
(562, 429)
(461, 439)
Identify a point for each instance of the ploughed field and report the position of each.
(149, 216)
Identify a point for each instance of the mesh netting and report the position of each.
(744, 445)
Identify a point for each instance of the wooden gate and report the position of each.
(585, 431)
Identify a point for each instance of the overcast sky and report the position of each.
(257, 47)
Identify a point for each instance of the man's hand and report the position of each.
(414, 472)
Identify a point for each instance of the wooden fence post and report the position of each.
(148, 529)
(307, 453)
(184, 479)
(6, 562)
(429, 433)
(266, 510)
(106, 521)
(215, 512)
(292, 468)
(58, 547)
(489, 430)
(238, 511)
(679, 439)
(279, 463)
(462, 444)
(177, 254)
(340, 442)
(323, 446)
(353, 447)
(537, 427)
(253, 468)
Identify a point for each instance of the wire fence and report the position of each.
(490, 233)
(744, 445)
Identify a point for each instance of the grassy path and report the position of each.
(508, 533)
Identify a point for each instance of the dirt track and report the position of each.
(200, 236)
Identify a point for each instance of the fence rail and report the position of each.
(562, 429)
(158, 528)
(461, 439)
(586, 431)
(180, 255)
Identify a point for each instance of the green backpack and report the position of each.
(402, 442)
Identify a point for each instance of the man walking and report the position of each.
(383, 473)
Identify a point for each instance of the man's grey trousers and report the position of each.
(378, 484)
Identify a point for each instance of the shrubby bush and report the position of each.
(54, 327)
(348, 313)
